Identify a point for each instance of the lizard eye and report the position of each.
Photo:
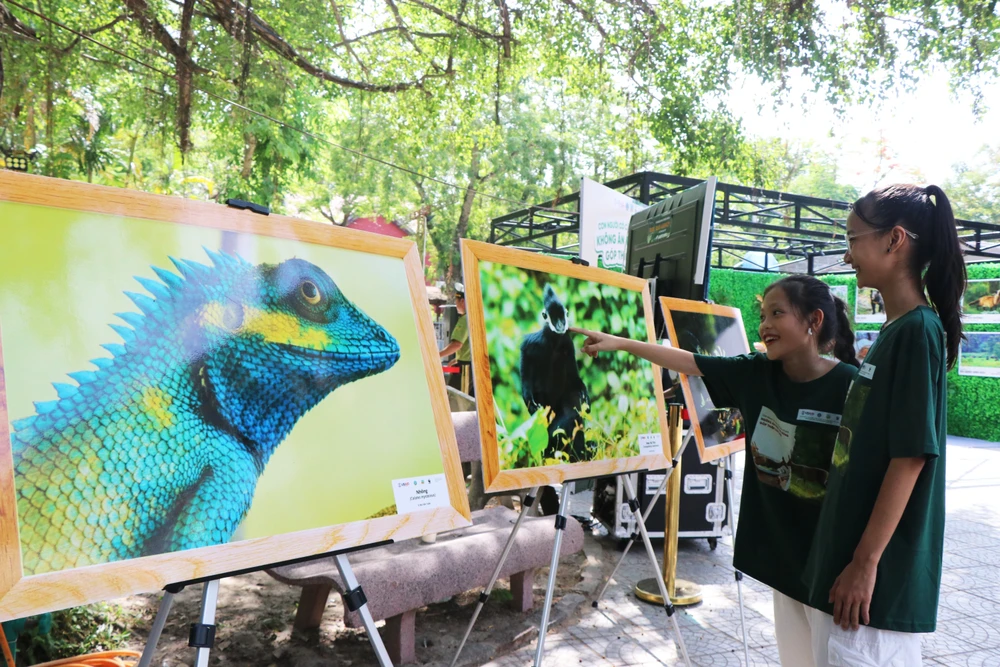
(232, 316)
(310, 292)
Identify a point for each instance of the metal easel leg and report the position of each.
(649, 510)
(667, 604)
(202, 635)
(158, 624)
(739, 575)
(356, 601)
(526, 507)
(543, 627)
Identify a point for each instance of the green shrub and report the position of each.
(971, 400)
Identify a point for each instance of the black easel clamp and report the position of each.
(728, 473)
(560, 522)
(529, 500)
(578, 260)
(739, 575)
(201, 636)
(484, 597)
(670, 608)
(248, 205)
(633, 505)
(355, 599)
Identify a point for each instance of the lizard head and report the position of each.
(277, 340)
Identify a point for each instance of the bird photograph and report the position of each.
(554, 404)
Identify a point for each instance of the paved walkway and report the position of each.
(625, 631)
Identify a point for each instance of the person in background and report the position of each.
(459, 345)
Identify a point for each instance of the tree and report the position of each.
(974, 190)
(470, 97)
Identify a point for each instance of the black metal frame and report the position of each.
(807, 231)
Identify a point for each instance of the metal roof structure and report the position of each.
(803, 234)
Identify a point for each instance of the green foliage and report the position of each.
(73, 632)
(970, 399)
(622, 398)
(740, 289)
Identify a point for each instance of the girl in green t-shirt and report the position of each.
(791, 399)
(876, 562)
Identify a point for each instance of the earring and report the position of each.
(810, 331)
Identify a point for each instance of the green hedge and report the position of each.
(971, 400)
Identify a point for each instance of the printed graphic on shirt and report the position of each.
(857, 395)
(793, 458)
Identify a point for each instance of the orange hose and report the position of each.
(103, 659)
(8, 658)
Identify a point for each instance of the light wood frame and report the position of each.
(23, 596)
(669, 306)
(494, 479)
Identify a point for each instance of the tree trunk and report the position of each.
(185, 76)
(462, 228)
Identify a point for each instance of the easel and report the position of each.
(664, 597)
(739, 575)
(202, 637)
(560, 525)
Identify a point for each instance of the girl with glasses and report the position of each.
(875, 566)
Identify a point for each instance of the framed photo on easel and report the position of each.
(232, 417)
(547, 412)
(704, 328)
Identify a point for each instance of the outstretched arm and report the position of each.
(680, 361)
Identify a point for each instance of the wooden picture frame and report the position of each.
(495, 479)
(691, 386)
(22, 595)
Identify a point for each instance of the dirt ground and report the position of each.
(255, 613)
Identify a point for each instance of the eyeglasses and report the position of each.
(850, 239)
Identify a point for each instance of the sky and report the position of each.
(927, 131)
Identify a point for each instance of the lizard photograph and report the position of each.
(242, 393)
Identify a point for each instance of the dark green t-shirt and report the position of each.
(896, 408)
(791, 430)
(460, 334)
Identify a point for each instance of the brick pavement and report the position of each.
(625, 631)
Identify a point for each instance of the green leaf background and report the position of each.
(621, 387)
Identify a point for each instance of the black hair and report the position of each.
(807, 295)
(937, 260)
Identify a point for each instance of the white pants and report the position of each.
(807, 637)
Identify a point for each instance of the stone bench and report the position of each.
(398, 579)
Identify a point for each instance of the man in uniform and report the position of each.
(459, 344)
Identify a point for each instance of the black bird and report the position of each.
(550, 379)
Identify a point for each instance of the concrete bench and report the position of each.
(399, 579)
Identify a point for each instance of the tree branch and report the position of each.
(144, 14)
(11, 22)
(478, 32)
(343, 37)
(507, 33)
(227, 10)
(587, 16)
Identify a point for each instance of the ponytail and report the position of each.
(946, 275)
(806, 295)
(843, 347)
(937, 261)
